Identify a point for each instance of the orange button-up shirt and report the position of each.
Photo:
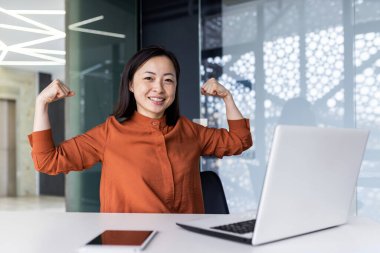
(147, 166)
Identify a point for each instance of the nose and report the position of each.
(158, 85)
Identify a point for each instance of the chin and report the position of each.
(158, 112)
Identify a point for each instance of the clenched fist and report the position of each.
(56, 90)
(213, 88)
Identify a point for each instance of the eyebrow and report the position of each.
(150, 72)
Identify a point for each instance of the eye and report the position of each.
(149, 78)
(169, 80)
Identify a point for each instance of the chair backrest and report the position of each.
(213, 194)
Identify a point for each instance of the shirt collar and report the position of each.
(149, 122)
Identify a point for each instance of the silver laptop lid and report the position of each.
(310, 180)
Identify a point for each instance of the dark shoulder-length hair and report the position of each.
(126, 105)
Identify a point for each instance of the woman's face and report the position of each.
(154, 85)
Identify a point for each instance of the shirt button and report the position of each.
(154, 123)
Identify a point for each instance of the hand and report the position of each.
(56, 90)
(213, 88)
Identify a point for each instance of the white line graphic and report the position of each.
(76, 27)
(49, 33)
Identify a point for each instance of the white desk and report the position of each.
(23, 232)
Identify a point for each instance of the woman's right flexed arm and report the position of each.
(77, 153)
(56, 90)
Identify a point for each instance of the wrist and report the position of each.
(41, 103)
(228, 97)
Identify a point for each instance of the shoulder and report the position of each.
(113, 122)
(184, 120)
(186, 124)
(108, 125)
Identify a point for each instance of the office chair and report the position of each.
(213, 194)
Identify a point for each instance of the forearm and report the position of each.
(53, 92)
(214, 88)
(232, 111)
(41, 116)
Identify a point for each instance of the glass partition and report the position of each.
(101, 36)
(304, 62)
(367, 101)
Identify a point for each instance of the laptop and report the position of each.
(309, 186)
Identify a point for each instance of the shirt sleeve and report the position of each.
(74, 154)
(220, 142)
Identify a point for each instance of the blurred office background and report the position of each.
(304, 62)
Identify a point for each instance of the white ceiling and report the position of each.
(42, 22)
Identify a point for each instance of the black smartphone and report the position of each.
(119, 241)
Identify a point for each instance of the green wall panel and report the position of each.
(95, 56)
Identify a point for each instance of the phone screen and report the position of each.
(121, 238)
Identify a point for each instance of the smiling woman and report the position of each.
(154, 86)
(149, 153)
(149, 85)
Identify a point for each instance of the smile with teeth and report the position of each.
(156, 100)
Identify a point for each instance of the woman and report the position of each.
(149, 153)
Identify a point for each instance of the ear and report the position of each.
(130, 86)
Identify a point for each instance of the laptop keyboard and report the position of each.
(242, 227)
